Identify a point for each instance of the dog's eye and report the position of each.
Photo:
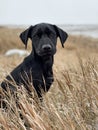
(50, 35)
(39, 34)
(48, 32)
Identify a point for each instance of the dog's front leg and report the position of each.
(48, 75)
(48, 72)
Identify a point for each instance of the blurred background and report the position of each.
(20, 12)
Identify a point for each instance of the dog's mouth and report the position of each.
(46, 53)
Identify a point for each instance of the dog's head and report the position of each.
(44, 38)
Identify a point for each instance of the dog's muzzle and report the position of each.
(46, 48)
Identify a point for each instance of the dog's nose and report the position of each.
(47, 47)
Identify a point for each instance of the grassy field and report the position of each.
(71, 103)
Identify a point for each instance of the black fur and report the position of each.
(37, 67)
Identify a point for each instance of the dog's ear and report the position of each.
(61, 34)
(25, 35)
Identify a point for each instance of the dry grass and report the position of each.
(71, 103)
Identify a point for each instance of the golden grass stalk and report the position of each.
(71, 104)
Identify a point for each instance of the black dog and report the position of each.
(37, 67)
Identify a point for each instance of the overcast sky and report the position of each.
(51, 11)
